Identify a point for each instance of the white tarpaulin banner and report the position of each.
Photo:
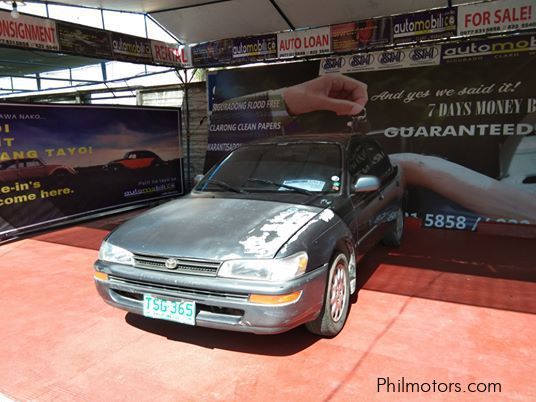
(26, 31)
(387, 60)
(308, 42)
(496, 16)
(170, 54)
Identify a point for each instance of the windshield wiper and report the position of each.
(273, 183)
(226, 186)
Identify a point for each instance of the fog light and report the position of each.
(275, 299)
(101, 276)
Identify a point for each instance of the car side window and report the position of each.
(33, 163)
(380, 165)
(358, 160)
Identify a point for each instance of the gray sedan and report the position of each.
(268, 240)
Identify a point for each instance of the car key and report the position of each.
(359, 123)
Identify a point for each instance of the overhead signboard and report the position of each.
(425, 25)
(361, 34)
(79, 39)
(421, 56)
(131, 48)
(487, 49)
(27, 31)
(169, 54)
(496, 16)
(308, 42)
(213, 53)
(255, 48)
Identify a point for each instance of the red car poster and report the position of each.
(61, 162)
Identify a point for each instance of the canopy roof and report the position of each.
(193, 21)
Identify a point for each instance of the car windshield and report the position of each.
(291, 167)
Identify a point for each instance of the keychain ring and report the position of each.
(362, 116)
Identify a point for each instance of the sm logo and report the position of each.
(334, 63)
(423, 53)
(391, 57)
(361, 60)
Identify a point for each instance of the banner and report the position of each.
(26, 31)
(390, 59)
(79, 39)
(131, 48)
(307, 42)
(169, 54)
(424, 25)
(213, 53)
(361, 34)
(464, 132)
(62, 162)
(496, 16)
(255, 48)
(489, 49)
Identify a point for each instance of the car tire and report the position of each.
(334, 311)
(116, 167)
(61, 173)
(394, 237)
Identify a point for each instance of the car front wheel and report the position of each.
(394, 237)
(336, 300)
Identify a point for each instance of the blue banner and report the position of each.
(61, 162)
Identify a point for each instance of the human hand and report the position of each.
(335, 92)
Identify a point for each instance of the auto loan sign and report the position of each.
(26, 31)
(496, 16)
(308, 42)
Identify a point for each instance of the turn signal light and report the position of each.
(101, 276)
(275, 299)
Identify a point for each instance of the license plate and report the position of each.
(178, 311)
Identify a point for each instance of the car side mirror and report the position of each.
(365, 184)
(198, 178)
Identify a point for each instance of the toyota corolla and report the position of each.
(268, 240)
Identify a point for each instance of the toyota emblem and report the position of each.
(171, 263)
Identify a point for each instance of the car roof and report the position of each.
(338, 138)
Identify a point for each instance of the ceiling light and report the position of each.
(15, 13)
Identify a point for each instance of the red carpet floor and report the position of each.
(449, 307)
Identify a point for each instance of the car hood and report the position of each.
(214, 228)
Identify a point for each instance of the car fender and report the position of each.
(51, 169)
(323, 235)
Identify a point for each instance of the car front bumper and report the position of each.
(221, 303)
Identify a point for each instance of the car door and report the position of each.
(364, 204)
(9, 170)
(386, 204)
(32, 168)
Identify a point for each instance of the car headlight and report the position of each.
(274, 270)
(110, 253)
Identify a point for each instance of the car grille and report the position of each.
(187, 292)
(193, 267)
